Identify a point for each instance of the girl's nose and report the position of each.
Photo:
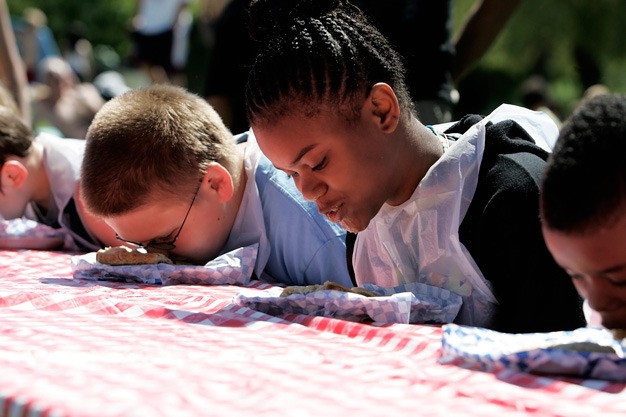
(311, 188)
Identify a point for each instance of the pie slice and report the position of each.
(328, 285)
(583, 347)
(122, 255)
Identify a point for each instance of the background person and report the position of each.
(61, 101)
(35, 40)
(155, 26)
(420, 30)
(12, 71)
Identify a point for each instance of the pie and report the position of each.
(328, 285)
(122, 255)
(583, 347)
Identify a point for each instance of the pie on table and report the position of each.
(328, 285)
(122, 255)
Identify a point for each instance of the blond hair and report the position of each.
(156, 140)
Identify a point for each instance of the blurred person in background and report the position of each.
(209, 12)
(35, 40)
(535, 95)
(63, 102)
(78, 52)
(180, 47)
(155, 26)
(12, 72)
(420, 30)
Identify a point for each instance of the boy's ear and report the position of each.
(382, 105)
(14, 174)
(219, 181)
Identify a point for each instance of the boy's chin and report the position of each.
(614, 323)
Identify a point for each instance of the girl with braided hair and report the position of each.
(452, 206)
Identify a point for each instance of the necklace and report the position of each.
(443, 138)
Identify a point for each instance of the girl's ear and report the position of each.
(14, 174)
(219, 181)
(383, 107)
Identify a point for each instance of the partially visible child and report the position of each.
(39, 180)
(164, 172)
(583, 205)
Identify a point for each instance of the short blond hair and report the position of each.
(156, 140)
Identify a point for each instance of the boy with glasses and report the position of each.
(165, 173)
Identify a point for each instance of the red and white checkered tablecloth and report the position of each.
(86, 348)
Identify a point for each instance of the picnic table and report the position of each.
(83, 348)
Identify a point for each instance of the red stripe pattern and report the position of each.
(81, 348)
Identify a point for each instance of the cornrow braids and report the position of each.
(314, 55)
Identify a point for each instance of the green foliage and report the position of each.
(106, 21)
(573, 44)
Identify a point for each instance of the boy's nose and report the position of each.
(601, 295)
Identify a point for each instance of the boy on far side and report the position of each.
(583, 205)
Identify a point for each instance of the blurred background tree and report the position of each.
(571, 44)
(106, 22)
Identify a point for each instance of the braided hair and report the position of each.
(320, 52)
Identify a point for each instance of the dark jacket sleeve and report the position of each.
(502, 231)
